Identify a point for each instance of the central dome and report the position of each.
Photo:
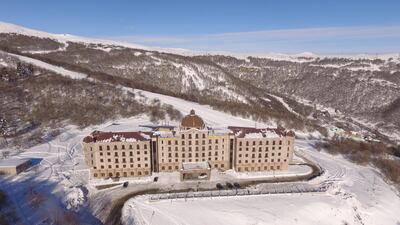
(192, 121)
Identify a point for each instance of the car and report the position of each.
(155, 179)
(236, 184)
(219, 186)
(229, 185)
(125, 184)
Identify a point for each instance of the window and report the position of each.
(190, 136)
(123, 154)
(123, 147)
(280, 142)
(130, 146)
(115, 147)
(240, 143)
(116, 154)
(145, 146)
(183, 137)
(204, 135)
(197, 136)
(108, 147)
(101, 148)
(130, 153)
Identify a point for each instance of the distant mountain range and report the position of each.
(306, 91)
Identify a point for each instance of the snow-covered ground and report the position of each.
(356, 195)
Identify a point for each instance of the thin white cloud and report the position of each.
(282, 34)
(321, 39)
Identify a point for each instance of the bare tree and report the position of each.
(5, 154)
(3, 128)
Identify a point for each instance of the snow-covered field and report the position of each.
(356, 195)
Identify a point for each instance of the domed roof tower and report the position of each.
(192, 121)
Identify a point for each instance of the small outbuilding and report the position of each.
(195, 171)
(13, 166)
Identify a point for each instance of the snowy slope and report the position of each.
(64, 38)
(47, 66)
(356, 195)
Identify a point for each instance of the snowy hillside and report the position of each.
(58, 182)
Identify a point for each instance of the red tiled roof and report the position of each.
(242, 131)
(99, 136)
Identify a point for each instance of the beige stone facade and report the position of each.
(193, 145)
(258, 154)
(110, 156)
(167, 149)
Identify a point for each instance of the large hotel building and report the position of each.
(192, 149)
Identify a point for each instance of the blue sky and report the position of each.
(329, 27)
